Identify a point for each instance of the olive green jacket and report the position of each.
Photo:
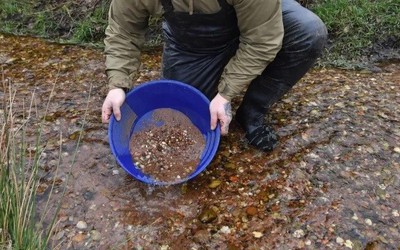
(259, 22)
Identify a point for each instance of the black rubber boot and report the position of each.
(251, 114)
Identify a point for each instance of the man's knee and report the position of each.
(304, 30)
(316, 34)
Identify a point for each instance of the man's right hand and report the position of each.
(112, 104)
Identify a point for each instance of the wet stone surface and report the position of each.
(332, 183)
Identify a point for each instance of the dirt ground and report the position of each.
(332, 183)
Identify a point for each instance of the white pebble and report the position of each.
(257, 235)
(164, 247)
(225, 230)
(368, 222)
(395, 213)
(298, 233)
(81, 224)
(349, 244)
(339, 240)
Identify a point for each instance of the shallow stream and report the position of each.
(332, 183)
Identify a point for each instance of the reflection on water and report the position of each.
(333, 182)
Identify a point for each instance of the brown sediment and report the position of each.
(170, 151)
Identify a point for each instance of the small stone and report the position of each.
(397, 150)
(78, 237)
(368, 222)
(375, 245)
(395, 213)
(339, 240)
(349, 244)
(257, 234)
(207, 215)
(96, 236)
(115, 172)
(230, 166)
(214, 184)
(340, 105)
(225, 230)
(164, 247)
(308, 242)
(314, 112)
(81, 225)
(355, 217)
(298, 233)
(251, 211)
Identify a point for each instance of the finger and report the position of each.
(224, 126)
(106, 113)
(224, 129)
(117, 112)
(105, 118)
(214, 119)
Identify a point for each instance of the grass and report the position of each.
(11, 10)
(18, 181)
(91, 27)
(356, 26)
(22, 226)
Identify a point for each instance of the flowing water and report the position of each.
(332, 183)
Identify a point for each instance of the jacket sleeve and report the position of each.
(261, 33)
(125, 36)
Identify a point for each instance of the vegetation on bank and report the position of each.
(357, 28)
(360, 30)
(23, 226)
(20, 227)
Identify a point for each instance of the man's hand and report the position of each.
(221, 111)
(112, 104)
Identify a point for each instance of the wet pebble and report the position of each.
(298, 233)
(225, 230)
(79, 238)
(214, 184)
(348, 244)
(207, 215)
(375, 245)
(257, 234)
(81, 225)
(251, 211)
(96, 236)
(230, 166)
(88, 195)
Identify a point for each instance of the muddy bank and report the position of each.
(332, 183)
